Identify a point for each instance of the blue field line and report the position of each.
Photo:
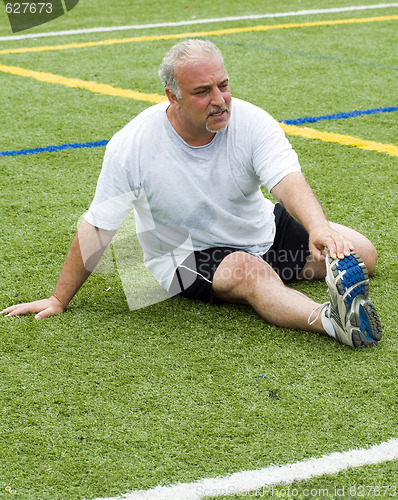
(51, 149)
(294, 121)
(339, 116)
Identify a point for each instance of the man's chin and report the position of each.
(218, 128)
(214, 131)
(216, 125)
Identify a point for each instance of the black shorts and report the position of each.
(287, 256)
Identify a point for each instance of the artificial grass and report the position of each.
(103, 400)
(173, 392)
(92, 13)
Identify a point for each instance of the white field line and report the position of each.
(262, 479)
(199, 21)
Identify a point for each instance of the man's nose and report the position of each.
(217, 98)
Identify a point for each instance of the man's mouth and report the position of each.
(217, 112)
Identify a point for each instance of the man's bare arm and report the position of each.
(298, 198)
(84, 253)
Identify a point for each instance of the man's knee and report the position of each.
(238, 275)
(370, 258)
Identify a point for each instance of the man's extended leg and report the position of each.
(350, 316)
(244, 278)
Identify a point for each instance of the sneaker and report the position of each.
(353, 315)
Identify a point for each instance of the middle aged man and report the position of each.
(192, 167)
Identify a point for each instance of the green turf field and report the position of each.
(104, 400)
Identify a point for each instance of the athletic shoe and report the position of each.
(353, 315)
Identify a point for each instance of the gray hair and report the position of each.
(181, 53)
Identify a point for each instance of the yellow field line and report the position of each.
(346, 140)
(228, 31)
(98, 88)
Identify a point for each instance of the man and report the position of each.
(192, 167)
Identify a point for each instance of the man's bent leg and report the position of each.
(244, 278)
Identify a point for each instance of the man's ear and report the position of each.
(173, 100)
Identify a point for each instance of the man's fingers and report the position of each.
(10, 309)
(341, 247)
(332, 250)
(42, 308)
(330, 241)
(41, 315)
(16, 310)
(49, 311)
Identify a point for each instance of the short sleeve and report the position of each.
(273, 156)
(114, 195)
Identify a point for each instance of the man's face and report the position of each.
(205, 102)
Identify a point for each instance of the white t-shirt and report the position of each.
(191, 198)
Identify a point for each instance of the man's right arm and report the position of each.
(84, 253)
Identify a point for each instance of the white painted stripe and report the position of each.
(242, 482)
(199, 21)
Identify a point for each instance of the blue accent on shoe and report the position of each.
(353, 275)
(365, 327)
(353, 315)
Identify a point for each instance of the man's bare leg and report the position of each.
(244, 278)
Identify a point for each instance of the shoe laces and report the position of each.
(318, 308)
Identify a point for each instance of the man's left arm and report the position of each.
(296, 195)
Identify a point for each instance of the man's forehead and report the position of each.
(202, 71)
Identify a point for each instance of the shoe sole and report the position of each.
(352, 271)
(365, 323)
(352, 283)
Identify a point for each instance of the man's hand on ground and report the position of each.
(84, 253)
(42, 308)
